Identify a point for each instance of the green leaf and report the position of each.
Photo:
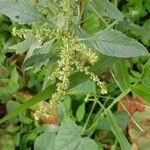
(87, 144)
(83, 88)
(44, 48)
(12, 85)
(23, 46)
(120, 69)
(67, 104)
(39, 59)
(35, 59)
(146, 69)
(19, 11)
(121, 119)
(75, 79)
(118, 132)
(106, 8)
(143, 91)
(68, 137)
(80, 112)
(45, 141)
(113, 43)
(11, 106)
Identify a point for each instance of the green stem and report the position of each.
(123, 94)
(93, 106)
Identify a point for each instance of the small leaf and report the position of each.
(142, 91)
(80, 112)
(121, 74)
(23, 46)
(45, 141)
(113, 43)
(19, 11)
(106, 8)
(39, 59)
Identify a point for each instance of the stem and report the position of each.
(123, 105)
(93, 106)
(123, 94)
(87, 121)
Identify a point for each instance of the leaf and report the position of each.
(68, 137)
(142, 91)
(113, 43)
(11, 106)
(83, 88)
(106, 8)
(44, 48)
(146, 69)
(121, 119)
(121, 74)
(118, 132)
(38, 59)
(80, 112)
(75, 79)
(45, 141)
(87, 144)
(12, 85)
(20, 11)
(23, 46)
(35, 59)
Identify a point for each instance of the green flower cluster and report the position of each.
(74, 55)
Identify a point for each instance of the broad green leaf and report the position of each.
(146, 69)
(114, 43)
(146, 81)
(75, 79)
(38, 59)
(143, 91)
(45, 141)
(106, 8)
(121, 74)
(19, 11)
(80, 112)
(35, 59)
(87, 144)
(118, 132)
(68, 137)
(23, 46)
(11, 106)
(91, 23)
(121, 119)
(83, 88)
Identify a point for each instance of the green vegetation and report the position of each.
(74, 75)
